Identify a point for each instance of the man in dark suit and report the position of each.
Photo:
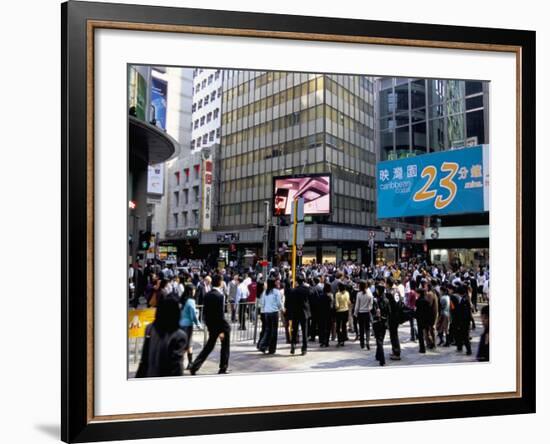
(218, 327)
(298, 312)
(462, 320)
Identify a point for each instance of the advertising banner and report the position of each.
(138, 320)
(168, 253)
(137, 93)
(159, 90)
(155, 179)
(446, 182)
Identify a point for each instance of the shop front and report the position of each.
(457, 257)
(386, 252)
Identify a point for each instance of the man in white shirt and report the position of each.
(240, 300)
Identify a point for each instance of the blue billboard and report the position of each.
(158, 101)
(446, 182)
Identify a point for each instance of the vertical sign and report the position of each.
(137, 93)
(207, 166)
(159, 89)
(155, 179)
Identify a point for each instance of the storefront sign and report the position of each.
(447, 182)
(168, 253)
(191, 233)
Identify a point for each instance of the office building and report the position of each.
(420, 116)
(285, 123)
(206, 108)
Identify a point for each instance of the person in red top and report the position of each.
(410, 302)
(252, 293)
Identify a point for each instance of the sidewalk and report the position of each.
(245, 358)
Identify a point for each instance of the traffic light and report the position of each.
(144, 240)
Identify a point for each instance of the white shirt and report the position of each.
(363, 302)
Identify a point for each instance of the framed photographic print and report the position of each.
(275, 221)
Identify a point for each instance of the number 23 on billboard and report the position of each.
(447, 182)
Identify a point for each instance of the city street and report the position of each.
(245, 358)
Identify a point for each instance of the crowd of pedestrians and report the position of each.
(326, 306)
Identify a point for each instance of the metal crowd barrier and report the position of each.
(244, 320)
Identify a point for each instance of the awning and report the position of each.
(150, 143)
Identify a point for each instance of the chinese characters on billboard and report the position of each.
(447, 182)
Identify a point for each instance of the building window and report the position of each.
(194, 108)
(213, 96)
(175, 220)
(211, 136)
(192, 144)
(200, 104)
(220, 91)
(184, 217)
(202, 120)
(197, 87)
(198, 142)
(216, 113)
(195, 217)
(217, 75)
(205, 139)
(210, 78)
(196, 124)
(196, 193)
(197, 170)
(203, 83)
(209, 117)
(186, 172)
(206, 100)
(177, 198)
(218, 132)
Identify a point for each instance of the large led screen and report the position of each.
(315, 189)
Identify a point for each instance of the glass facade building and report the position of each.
(280, 123)
(417, 116)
